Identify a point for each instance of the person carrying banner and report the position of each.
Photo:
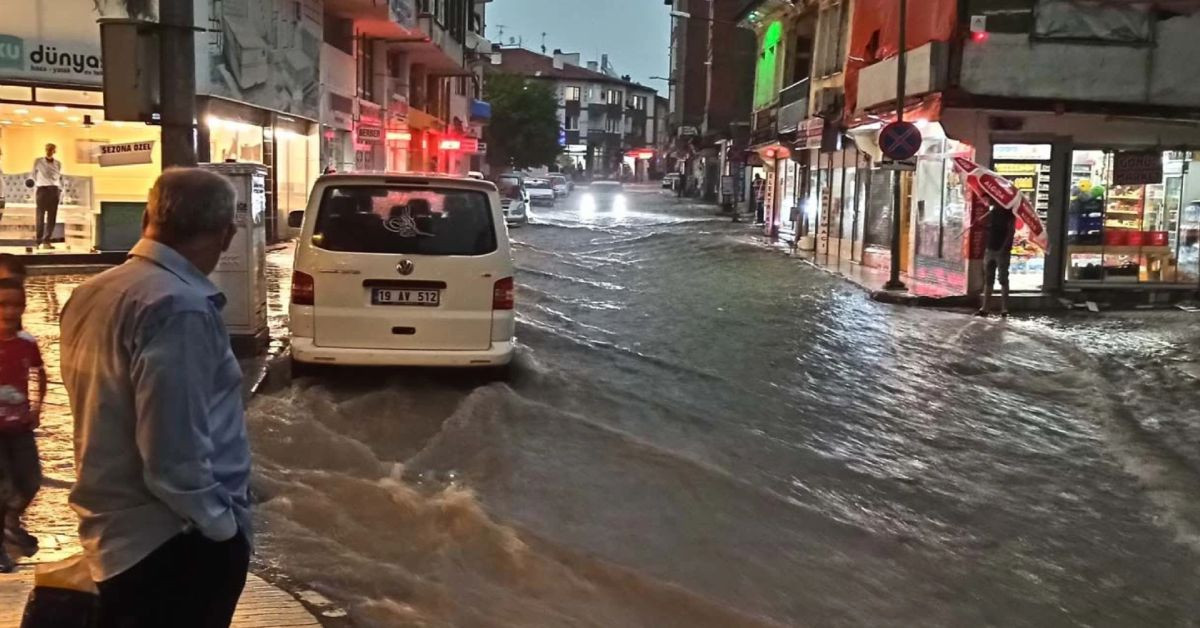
(1001, 225)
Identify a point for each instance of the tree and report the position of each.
(523, 131)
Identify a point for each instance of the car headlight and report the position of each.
(618, 203)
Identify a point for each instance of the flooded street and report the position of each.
(701, 431)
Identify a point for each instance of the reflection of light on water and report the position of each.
(587, 207)
(620, 207)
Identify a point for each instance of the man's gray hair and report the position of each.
(187, 202)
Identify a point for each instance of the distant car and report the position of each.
(541, 192)
(561, 187)
(669, 181)
(402, 270)
(604, 195)
(514, 199)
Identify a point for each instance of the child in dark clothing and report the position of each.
(21, 369)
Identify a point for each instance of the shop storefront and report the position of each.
(50, 80)
(933, 208)
(1133, 217)
(1120, 198)
(775, 158)
(107, 168)
(288, 146)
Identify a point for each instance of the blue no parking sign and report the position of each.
(900, 140)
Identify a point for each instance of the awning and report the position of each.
(927, 108)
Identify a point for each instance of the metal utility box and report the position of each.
(241, 273)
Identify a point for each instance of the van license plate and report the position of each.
(396, 296)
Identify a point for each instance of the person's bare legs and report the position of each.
(989, 278)
(1004, 290)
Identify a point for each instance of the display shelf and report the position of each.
(1100, 249)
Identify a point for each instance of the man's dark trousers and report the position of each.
(189, 582)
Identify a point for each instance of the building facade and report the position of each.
(609, 124)
(1094, 114)
(711, 83)
(1043, 91)
(403, 86)
(299, 86)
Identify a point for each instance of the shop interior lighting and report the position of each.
(39, 119)
(5, 121)
(60, 108)
(21, 112)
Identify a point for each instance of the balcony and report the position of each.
(793, 106)
(375, 19)
(765, 127)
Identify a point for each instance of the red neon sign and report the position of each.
(450, 145)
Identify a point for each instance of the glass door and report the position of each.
(1028, 167)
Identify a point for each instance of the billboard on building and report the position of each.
(262, 52)
(59, 42)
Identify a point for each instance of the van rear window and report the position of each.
(404, 220)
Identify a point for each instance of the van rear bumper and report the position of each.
(303, 350)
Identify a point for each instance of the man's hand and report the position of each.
(35, 416)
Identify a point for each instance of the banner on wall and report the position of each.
(125, 154)
(265, 53)
(59, 42)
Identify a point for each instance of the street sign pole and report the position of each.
(894, 282)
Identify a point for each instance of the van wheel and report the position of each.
(504, 373)
(302, 369)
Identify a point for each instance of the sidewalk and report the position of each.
(262, 604)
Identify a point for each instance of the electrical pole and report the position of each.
(177, 82)
(894, 282)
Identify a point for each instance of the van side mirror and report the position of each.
(296, 219)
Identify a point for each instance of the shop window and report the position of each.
(92, 189)
(571, 93)
(879, 209)
(1090, 21)
(571, 123)
(1133, 217)
(832, 23)
(339, 33)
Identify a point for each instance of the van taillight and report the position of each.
(502, 294)
(303, 290)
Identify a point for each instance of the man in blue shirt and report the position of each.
(161, 452)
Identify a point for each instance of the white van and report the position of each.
(401, 270)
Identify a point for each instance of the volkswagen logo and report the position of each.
(405, 267)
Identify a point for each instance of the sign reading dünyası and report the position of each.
(125, 154)
(59, 42)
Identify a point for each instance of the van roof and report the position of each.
(406, 177)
